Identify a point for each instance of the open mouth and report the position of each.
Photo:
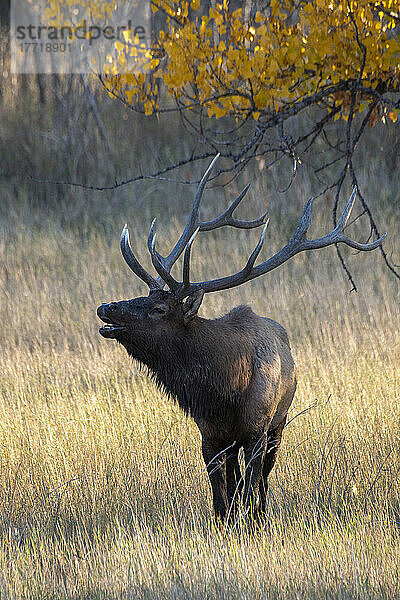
(110, 329)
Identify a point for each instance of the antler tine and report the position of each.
(200, 189)
(157, 262)
(304, 222)
(133, 262)
(348, 208)
(343, 222)
(186, 260)
(257, 250)
(152, 235)
(358, 246)
(226, 217)
(192, 221)
(338, 236)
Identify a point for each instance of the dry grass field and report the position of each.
(103, 492)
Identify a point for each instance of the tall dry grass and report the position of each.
(103, 493)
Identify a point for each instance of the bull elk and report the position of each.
(234, 375)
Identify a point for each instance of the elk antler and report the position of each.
(133, 262)
(163, 264)
(298, 243)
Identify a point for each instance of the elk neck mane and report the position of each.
(204, 368)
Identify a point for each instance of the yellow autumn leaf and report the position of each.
(263, 64)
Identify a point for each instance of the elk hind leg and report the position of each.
(216, 469)
(254, 453)
(274, 437)
(234, 481)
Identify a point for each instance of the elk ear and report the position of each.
(191, 305)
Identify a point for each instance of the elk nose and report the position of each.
(102, 310)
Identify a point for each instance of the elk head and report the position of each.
(160, 311)
(163, 310)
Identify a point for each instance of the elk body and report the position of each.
(234, 375)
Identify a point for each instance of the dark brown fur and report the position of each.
(234, 375)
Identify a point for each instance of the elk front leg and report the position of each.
(216, 469)
(254, 454)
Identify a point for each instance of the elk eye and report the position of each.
(158, 310)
